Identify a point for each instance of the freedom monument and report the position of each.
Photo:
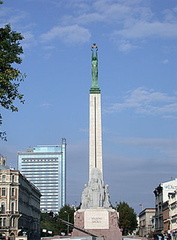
(96, 215)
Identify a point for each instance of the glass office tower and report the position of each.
(45, 166)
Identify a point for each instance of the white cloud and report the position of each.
(29, 40)
(148, 102)
(148, 29)
(89, 18)
(112, 11)
(148, 142)
(170, 14)
(9, 15)
(46, 105)
(165, 61)
(129, 21)
(109, 12)
(125, 45)
(68, 34)
(164, 148)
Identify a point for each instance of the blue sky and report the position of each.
(137, 43)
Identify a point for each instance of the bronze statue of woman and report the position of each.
(94, 50)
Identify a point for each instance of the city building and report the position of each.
(161, 196)
(166, 220)
(173, 214)
(19, 205)
(45, 166)
(146, 225)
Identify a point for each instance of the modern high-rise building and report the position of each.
(45, 166)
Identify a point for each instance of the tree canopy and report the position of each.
(51, 222)
(127, 218)
(10, 76)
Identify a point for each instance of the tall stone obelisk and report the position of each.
(95, 129)
(96, 215)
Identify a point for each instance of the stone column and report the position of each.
(95, 134)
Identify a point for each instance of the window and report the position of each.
(2, 207)
(3, 192)
(3, 178)
(13, 178)
(12, 207)
(4, 222)
(13, 192)
(12, 222)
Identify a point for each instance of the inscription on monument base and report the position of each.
(96, 219)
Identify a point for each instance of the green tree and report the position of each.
(51, 222)
(47, 223)
(127, 218)
(66, 213)
(10, 76)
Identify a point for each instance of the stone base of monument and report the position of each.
(100, 222)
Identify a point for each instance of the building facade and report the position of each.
(45, 166)
(146, 221)
(173, 214)
(161, 196)
(166, 221)
(19, 206)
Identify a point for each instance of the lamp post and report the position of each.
(67, 221)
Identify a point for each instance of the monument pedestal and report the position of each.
(99, 222)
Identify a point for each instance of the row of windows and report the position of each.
(3, 222)
(40, 170)
(37, 174)
(3, 192)
(51, 193)
(50, 186)
(38, 165)
(53, 190)
(42, 177)
(49, 190)
(46, 202)
(45, 168)
(46, 197)
(41, 183)
(34, 160)
(3, 208)
(49, 199)
(39, 160)
(3, 178)
(54, 202)
(50, 204)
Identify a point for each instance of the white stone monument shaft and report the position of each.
(95, 134)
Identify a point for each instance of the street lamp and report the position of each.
(68, 222)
